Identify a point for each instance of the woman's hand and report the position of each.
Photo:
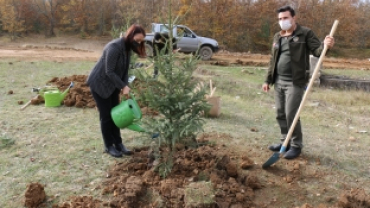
(125, 90)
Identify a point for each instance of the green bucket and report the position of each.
(126, 113)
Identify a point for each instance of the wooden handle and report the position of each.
(314, 75)
(334, 28)
(213, 91)
(28, 103)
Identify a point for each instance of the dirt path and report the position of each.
(74, 49)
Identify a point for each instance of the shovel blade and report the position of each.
(273, 159)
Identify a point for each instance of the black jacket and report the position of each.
(160, 41)
(111, 71)
(302, 43)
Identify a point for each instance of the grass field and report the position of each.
(62, 147)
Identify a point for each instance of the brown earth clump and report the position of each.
(35, 101)
(354, 198)
(221, 63)
(34, 196)
(80, 201)
(246, 163)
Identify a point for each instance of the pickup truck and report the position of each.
(187, 41)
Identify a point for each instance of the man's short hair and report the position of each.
(157, 36)
(286, 8)
(161, 36)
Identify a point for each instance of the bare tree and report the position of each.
(48, 9)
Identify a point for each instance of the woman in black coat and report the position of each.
(109, 78)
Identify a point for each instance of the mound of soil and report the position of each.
(79, 95)
(34, 196)
(186, 185)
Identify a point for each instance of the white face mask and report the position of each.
(285, 24)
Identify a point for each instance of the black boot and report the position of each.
(113, 151)
(293, 153)
(121, 148)
(277, 147)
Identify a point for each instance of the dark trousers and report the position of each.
(155, 72)
(288, 97)
(110, 132)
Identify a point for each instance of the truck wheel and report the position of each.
(148, 50)
(205, 53)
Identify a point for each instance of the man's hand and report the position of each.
(329, 41)
(265, 87)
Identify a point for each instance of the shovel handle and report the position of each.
(314, 75)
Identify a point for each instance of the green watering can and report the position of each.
(127, 114)
(54, 98)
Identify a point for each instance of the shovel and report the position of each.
(276, 156)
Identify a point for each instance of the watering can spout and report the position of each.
(136, 127)
(63, 95)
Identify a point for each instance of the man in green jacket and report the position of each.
(289, 73)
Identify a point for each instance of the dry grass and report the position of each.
(58, 147)
(62, 147)
(335, 124)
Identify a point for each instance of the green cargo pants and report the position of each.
(287, 100)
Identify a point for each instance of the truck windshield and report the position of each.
(163, 28)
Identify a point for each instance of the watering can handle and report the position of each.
(130, 95)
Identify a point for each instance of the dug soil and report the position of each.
(79, 95)
(206, 176)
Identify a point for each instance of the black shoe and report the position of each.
(113, 151)
(121, 148)
(292, 153)
(277, 147)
